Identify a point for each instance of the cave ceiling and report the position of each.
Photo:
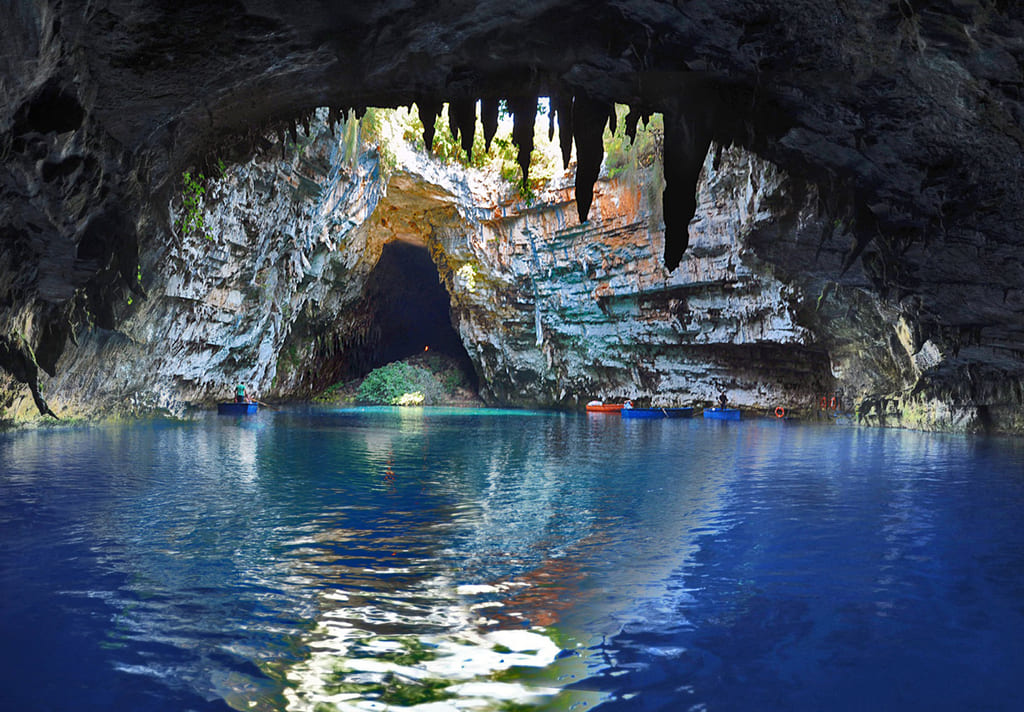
(908, 115)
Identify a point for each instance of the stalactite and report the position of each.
(688, 135)
(305, 124)
(453, 122)
(524, 114)
(293, 133)
(551, 119)
(429, 110)
(280, 140)
(462, 118)
(563, 106)
(613, 120)
(489, 120)
(588, 121)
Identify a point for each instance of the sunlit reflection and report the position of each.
(514, 561)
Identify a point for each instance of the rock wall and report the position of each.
(559, 313)
(279, 237)
(908, 117)
(272, 292)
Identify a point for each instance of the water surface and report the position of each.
(356, 559)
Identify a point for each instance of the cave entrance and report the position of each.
(411, 310)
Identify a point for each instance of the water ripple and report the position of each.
(544, 560)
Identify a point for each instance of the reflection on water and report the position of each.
(378, 558)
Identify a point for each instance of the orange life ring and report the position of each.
(824, 403)
(780, 412)
(834, 403)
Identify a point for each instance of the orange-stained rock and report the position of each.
(550, 311)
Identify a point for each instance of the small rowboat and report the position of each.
(657, 412)
(237, 408)
(599, 407)
(722, 413)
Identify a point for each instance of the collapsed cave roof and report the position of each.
(909, 116)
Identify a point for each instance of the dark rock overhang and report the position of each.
(908, 114)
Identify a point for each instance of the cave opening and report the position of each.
(411, 311)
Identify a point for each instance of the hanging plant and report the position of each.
(191, 221)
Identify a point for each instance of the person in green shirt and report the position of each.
(240, 396)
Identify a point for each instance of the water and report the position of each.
(352, 560)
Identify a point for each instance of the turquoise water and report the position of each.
(367, 559)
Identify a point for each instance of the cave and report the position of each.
(872, 151)
(906, 119)
(410, 310)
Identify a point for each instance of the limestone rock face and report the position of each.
(558, 313)
(907, 117)
(275, 288)
(278, 237)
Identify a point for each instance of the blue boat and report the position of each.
(657, 412)
(237, 408)
(722, 413)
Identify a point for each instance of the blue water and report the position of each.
(280, 561)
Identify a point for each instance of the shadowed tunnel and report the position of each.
(410, 311)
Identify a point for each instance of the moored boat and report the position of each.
(237, 408)
(678, 412)
(599, 407)
(722, 413)
(657, 412)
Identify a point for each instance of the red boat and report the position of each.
(599, 407)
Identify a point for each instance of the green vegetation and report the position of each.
(350, 137)
(389, 384)
(446, 148)
(425, 379)
(627, 157)
(410, 399)
(374, 128)
(337, 392)
(191, 221)
(624, 157)
(502, 158)
(638, 159)
(289, 357)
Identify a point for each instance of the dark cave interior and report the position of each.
(410, 311)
